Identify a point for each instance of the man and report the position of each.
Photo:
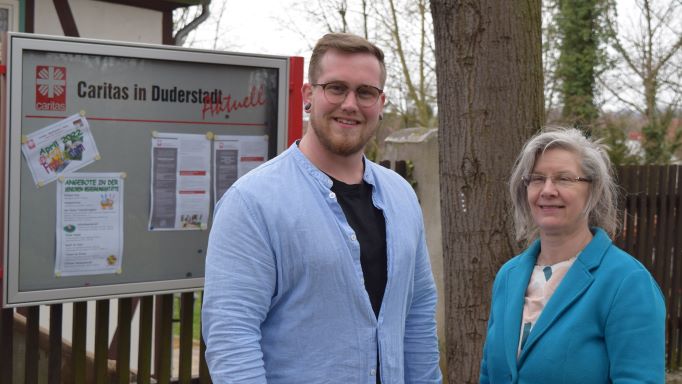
(317, 269)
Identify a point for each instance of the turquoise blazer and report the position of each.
(605, 323)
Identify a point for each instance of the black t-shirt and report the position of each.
(370, 229)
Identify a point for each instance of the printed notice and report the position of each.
(63, 147)
(89, 224)
(234, 156)
(181, 182)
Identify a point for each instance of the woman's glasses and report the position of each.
(536, 180)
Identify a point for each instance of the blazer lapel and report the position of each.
(517, 282)
(575, 283)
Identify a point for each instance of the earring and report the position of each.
(307, 107)
(381, 117)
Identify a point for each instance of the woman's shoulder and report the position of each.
(620, 261)
(512, 263)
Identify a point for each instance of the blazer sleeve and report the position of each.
(483, 377)
(240, 280)
(635, 331)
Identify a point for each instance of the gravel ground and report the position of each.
(674, 378)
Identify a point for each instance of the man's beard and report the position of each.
(342, 145)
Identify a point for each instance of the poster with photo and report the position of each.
(180, 182)
(233, 157)
(60, 148)
(89, 224)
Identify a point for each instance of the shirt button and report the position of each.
(373, 372)
(332, 195)
(353, 237)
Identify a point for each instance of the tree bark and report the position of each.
(490, 100)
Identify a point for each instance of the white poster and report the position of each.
(89, 224)
(63, 147)
(181, 181)
(233, 157)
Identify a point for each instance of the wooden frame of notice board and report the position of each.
(88, 126)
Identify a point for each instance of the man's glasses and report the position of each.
(336, 93)
(536, 180)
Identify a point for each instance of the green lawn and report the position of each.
(196, 323)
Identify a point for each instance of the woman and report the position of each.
(573, 307)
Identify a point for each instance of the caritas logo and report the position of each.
(50, 88)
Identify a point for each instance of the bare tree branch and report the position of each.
(217, 36)
(618, 96)
(181, 34)
(618, 46)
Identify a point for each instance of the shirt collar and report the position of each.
(307, 166)
(320, 176)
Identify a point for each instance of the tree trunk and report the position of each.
(579, 60)
(490, 100)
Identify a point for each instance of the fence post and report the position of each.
(54, 369)
(80, 325)
(186, 335)
(163, 338)
(31, 356)
(125, 315)
(102, 341)
(7, 342)
(144, 355)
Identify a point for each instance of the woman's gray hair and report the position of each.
(601, 208)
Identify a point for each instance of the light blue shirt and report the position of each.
(284, 298)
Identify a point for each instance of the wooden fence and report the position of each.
(111, 361)
(652, 232)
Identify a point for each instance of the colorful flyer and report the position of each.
(233, 157)
(181, 182)
(60, 148)
(89, 224)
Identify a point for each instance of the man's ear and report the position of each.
(307, 93)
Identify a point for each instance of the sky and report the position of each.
(269, 26)
(256, 26)
(281, 27)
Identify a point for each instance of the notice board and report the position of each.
(128, 96)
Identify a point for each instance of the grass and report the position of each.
(196, 323)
